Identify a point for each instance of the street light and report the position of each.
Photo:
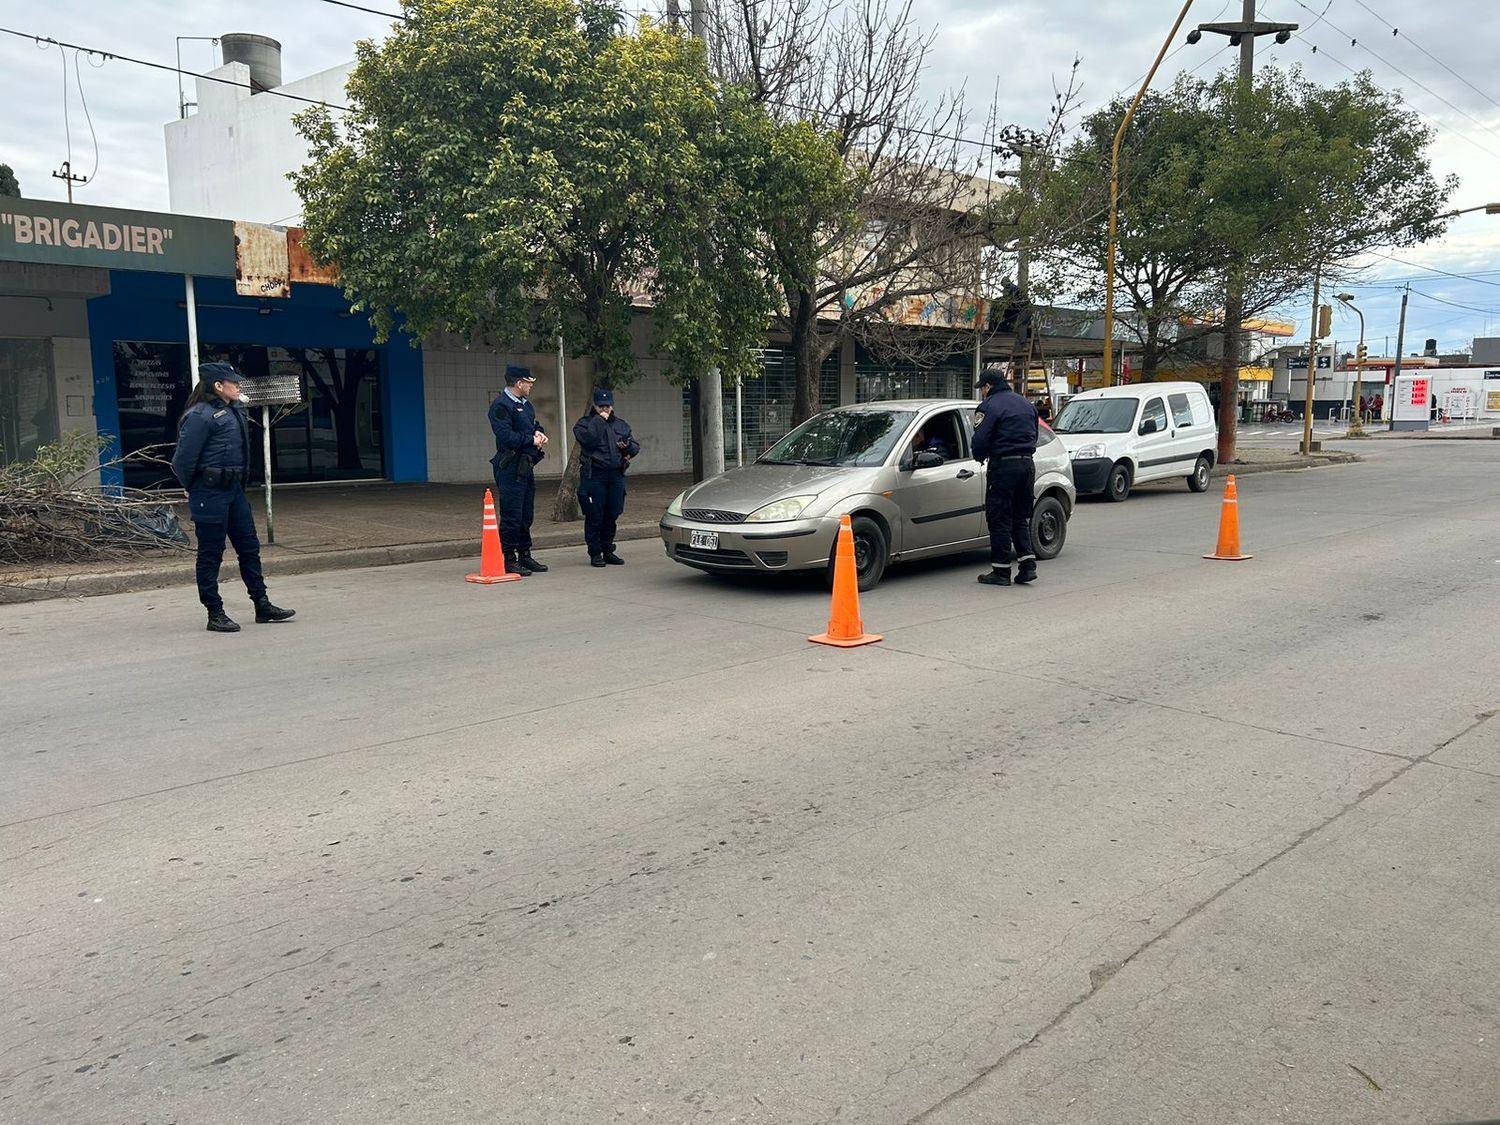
(1356, 428)
(1114, 201)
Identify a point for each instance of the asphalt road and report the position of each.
(1157, 840)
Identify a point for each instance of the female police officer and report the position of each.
(605, 447)
(213, 452)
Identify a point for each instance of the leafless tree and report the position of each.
(905, 234)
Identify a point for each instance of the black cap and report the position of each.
(992, 377)
(604, 397)
(219, 373)
(514, 373)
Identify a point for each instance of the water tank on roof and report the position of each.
(260, 53)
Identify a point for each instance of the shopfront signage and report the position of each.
(36, 230)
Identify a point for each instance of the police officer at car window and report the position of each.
(1006, 437)
(520, 442)
(605, 447)
(213, 453)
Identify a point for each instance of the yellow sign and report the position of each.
(1492, 400)
(1209, 375)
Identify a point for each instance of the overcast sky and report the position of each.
(1018, 45)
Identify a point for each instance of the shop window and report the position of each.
(28, 403)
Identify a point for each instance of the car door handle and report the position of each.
(965, 474)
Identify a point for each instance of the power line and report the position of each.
(373, 11)
(1455, 304)
(1433, 269)
(1396, 32)
(1354, 42)
(41, 40)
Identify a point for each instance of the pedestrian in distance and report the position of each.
(520, 443)
(1006, 437)
(605, 448)
(212, 457)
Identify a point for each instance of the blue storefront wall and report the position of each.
(147, 306)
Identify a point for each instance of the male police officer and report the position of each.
(520, 442)
(1006, 436)
(213, 452)
(605, 447)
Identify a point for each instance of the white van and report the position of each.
(1119, 437)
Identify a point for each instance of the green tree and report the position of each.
(8, 184)
(1244, 191)
(512, 168)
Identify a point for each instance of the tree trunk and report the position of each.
(695, 426)
(1229, 372)
(1149, 356)
(809, 365)
(565, 506)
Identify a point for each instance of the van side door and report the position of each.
(1155, 454)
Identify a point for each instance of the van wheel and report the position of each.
(1117, 487)
(1198, 481)
(1049, 527)
(870, 553)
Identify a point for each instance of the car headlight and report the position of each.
(1089, 452)
(779, 510)
(675, 507)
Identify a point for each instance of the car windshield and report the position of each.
(1096, 416)
(841, 437)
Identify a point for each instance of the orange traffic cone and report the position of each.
(491, 557)
(845, 629)
(1229, 527)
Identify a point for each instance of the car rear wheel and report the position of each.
(1117, 487)
(1049, 527)
(870, 553)
(1198, 481)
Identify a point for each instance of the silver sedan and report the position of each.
(903, 471)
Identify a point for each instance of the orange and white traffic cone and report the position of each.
(845, 627)
(491, 557)
(1229, 527)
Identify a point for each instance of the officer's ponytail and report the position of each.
(201, 393)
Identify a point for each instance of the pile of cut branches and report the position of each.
(51, 509)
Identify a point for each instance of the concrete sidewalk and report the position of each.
(336, 527)
(333, 527)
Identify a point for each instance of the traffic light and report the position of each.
(1363, 352)
(1325, 321)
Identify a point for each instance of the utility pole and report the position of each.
(1390, 397)
(1312, 367)
(711, 382)
(65, 173)
(1356, 429)
(1241, 34)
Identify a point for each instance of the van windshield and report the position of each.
(1096, 416)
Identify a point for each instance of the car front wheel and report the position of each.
(1049, 527)
(870, 552)
(1117, 487)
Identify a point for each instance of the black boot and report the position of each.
(596, 560)
(532, 565)
(268, 614)
(613, 559)
(513, 565)
(219, 622)
(999, 576)
(1027, 573)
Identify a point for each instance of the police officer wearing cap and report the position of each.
(1006, 437)
(213, 453)
(605, 447)
(520, 442)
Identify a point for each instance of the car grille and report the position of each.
(716, 558)
(712, 515)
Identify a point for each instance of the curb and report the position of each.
(1316, 461)
(163, 577)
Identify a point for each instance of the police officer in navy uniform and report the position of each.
(605, 447)
(213, 453)
(520, 442)
(1006, 437)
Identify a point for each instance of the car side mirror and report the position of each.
(927, 459)
(1148, 426)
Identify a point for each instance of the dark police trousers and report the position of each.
(601, 495)
(515, 491)
(1007, 508)
(217, 514)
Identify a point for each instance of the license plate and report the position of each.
(707, 540)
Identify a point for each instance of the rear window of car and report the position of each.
(1182, 410)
